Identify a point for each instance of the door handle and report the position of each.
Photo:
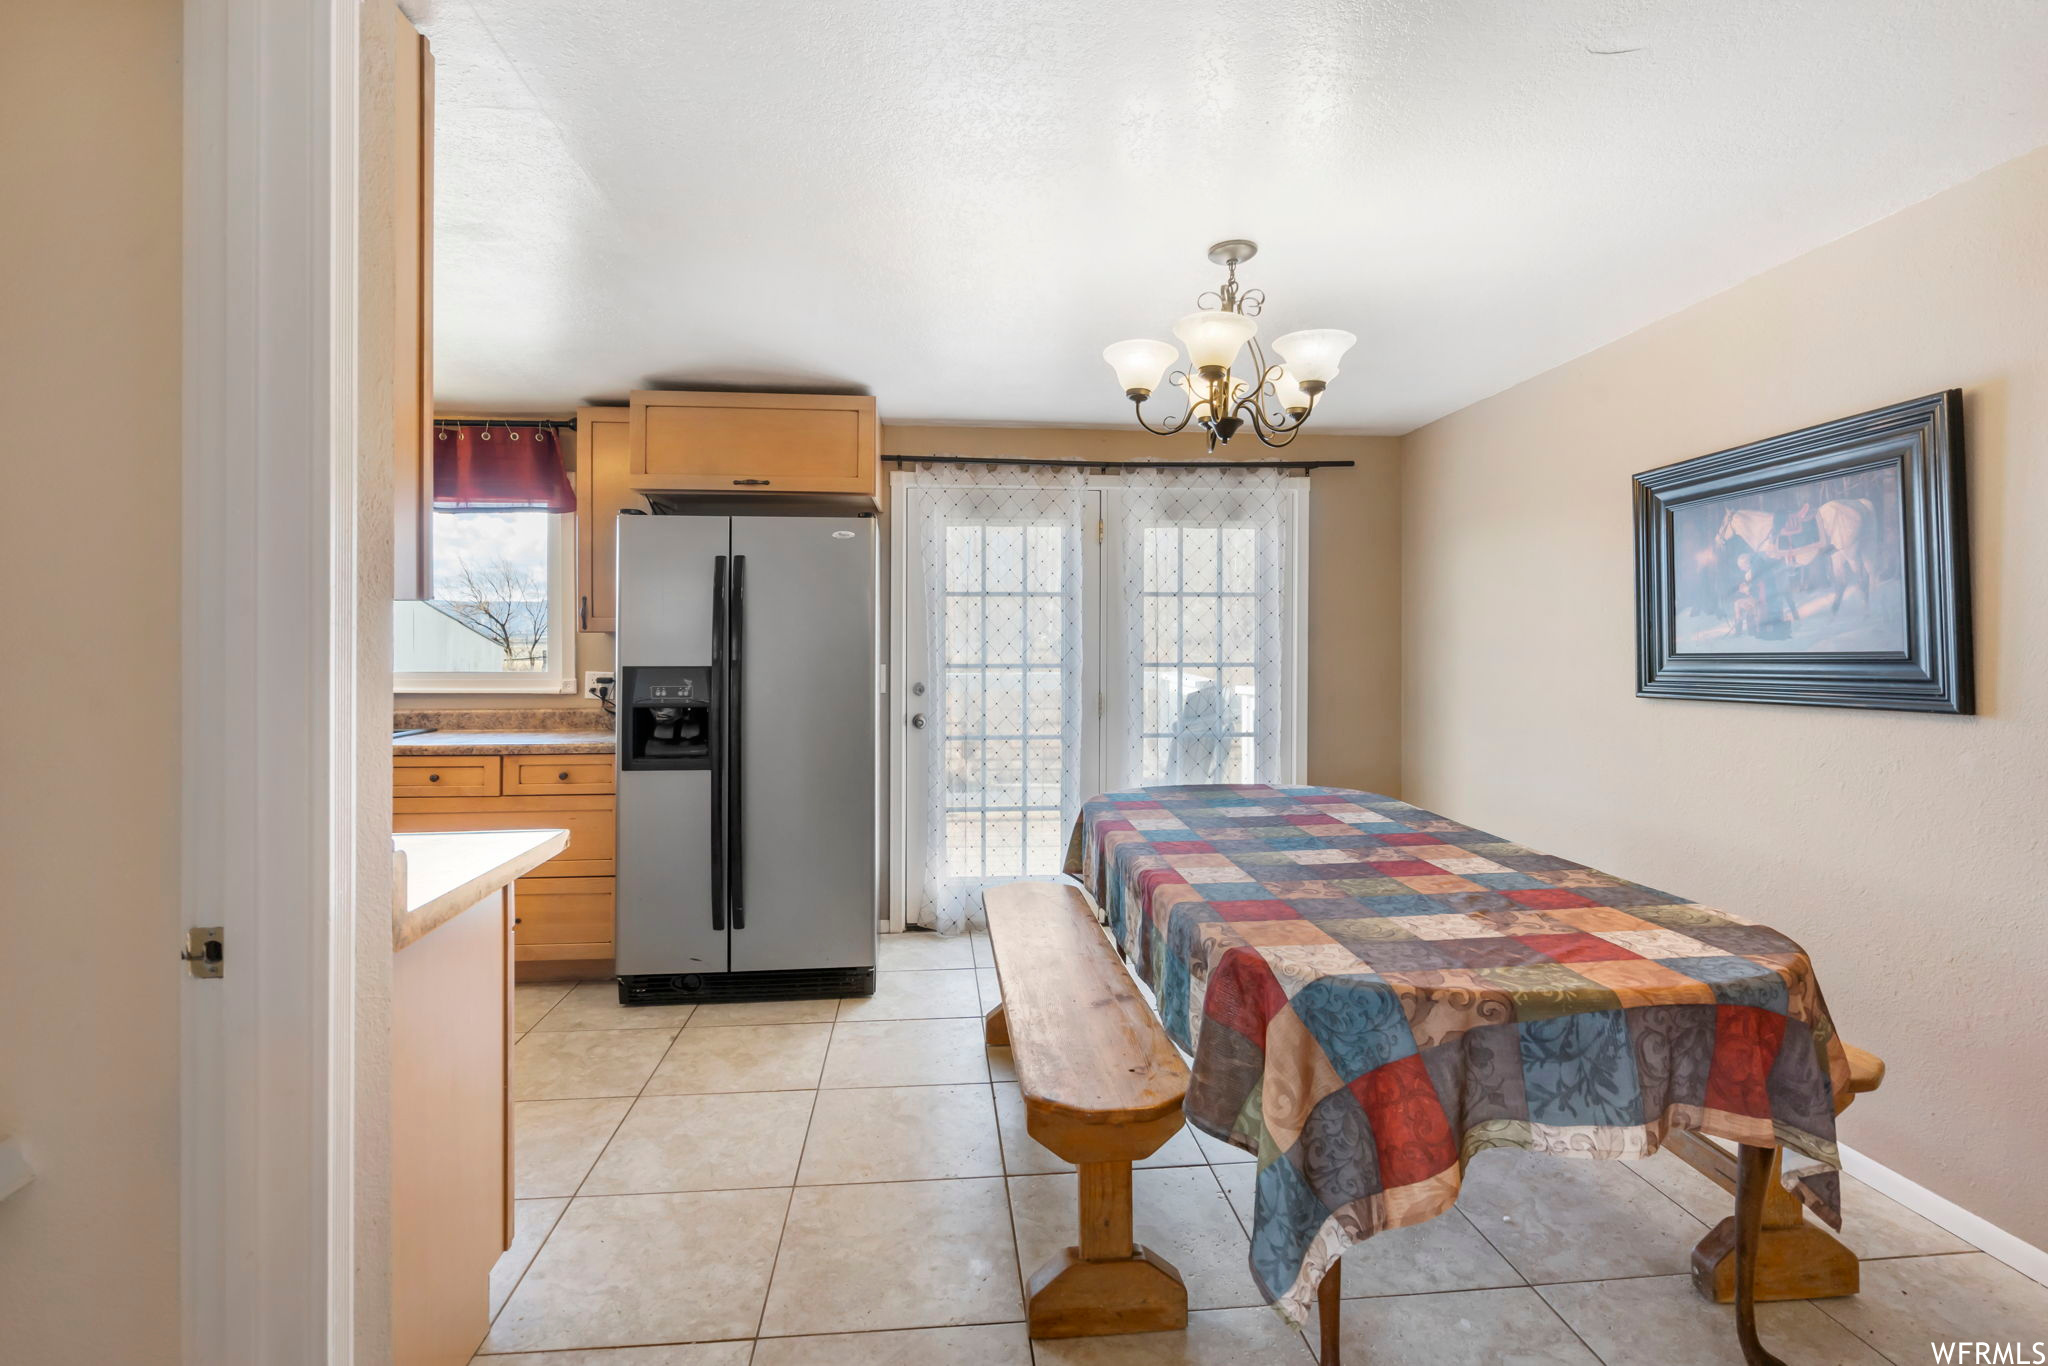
(917, 721)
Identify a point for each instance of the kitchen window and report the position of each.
(501, 618)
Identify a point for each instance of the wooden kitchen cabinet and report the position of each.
(566, 904)
(565, 917)
(451, 1132)
(752, 443)
(604, 487)
(399, 138)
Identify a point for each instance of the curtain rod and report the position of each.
(559, 423)
(1125, 464)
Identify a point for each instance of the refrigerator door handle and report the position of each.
(720, 693)
(736, 654)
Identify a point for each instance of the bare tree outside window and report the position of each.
(501, 600)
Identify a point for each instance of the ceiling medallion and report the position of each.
(1277, 403)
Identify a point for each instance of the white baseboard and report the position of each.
(2021, 1256)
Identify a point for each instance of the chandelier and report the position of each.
(1277, 401)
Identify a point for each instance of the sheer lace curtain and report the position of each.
(1160, 601)
(1204, 579)
(1002, 553)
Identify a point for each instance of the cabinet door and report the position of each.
(762, 443)
(564, 917)
(410, 126)
(603, 489)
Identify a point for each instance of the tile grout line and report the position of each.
(1544, 1300)
(789, 1205)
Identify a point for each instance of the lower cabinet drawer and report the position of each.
(457, 775)
(593, 834)
(563, 917)
(538, 775)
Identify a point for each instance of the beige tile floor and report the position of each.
(824, 1183)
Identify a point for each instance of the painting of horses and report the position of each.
(1804, 568)
(1827, 567)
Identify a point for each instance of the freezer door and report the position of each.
(807, 834)
(666, 921)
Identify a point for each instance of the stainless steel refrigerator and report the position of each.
(747, 711)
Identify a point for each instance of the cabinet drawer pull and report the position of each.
(750, 481)
(562, 777)
(433, 777)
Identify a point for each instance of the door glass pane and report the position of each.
(1001, 579)
(1203, 570)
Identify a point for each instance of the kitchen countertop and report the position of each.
(436, 877)
(504, 742)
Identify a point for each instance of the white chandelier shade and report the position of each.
(1312, 355)
(1213, 337)
(1140, 362)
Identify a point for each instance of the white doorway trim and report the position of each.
(269, 680)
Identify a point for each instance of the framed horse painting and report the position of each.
(1827, 567)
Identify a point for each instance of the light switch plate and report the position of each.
(596, 678)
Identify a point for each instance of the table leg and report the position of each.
(1329, 1302)
(1752, 1181)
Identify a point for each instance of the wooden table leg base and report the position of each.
(995, 1028)
(1796, 1260)
(1798, 1263)
(1071, 1297)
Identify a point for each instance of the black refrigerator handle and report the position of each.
(720, 691)
(735, 655)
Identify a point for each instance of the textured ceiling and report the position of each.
(955, 204)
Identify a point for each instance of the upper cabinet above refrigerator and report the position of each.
(671, 441)
(752, 443)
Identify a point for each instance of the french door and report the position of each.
(1065, 636)
(996, 694)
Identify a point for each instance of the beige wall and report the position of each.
(1354, 572)
(1904, 851)
(89, 381)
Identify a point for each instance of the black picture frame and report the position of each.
(1922, 440)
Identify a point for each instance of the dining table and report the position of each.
(1372, 994)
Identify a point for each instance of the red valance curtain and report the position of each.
(502, 467)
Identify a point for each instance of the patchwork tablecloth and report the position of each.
(1373, 994)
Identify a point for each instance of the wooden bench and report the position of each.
(1103, 1087)
(1796, 1258)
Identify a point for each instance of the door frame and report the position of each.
(272, 771)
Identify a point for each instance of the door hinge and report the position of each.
(205, 951)
(1098, 530)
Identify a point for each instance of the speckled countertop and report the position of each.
(505, 742)
(581, 731)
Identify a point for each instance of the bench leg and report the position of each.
(1329, 1315)
(1108, 1284)
(1796, 1260)
(1755, 1168)
(995, 1028)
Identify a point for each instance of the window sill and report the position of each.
(421, 684)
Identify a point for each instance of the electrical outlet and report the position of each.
(593, 679)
